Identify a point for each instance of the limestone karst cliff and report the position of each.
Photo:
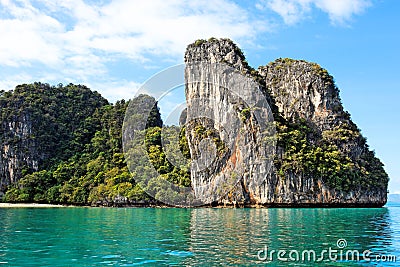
(321, 158)
(66, 144)
(41, 125)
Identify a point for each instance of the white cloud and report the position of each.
(341, 11)
(13, 80)
(125, 28)
(115, 90)
(27, 35)
(76, 40)
(293, 11)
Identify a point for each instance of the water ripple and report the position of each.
(188, 237)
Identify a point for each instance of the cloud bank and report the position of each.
(293, 11)
(79, 41)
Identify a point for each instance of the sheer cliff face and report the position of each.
(226, 142)
(17, 155)
(300, 92)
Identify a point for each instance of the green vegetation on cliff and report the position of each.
(55, 121)
(83, 158)
(326, 160)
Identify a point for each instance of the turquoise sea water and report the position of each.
(194, 237)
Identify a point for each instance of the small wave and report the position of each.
(142, 262)
(111, 257)
(178, 253)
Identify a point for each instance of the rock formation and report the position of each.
(321, 158)
(38, 127)
(13, 158)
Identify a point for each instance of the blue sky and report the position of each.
(114, 46)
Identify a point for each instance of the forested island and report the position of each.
(63, 144)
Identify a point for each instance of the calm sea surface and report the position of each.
(198, 237)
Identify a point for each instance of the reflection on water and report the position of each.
(146, 236)
(235, 236)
